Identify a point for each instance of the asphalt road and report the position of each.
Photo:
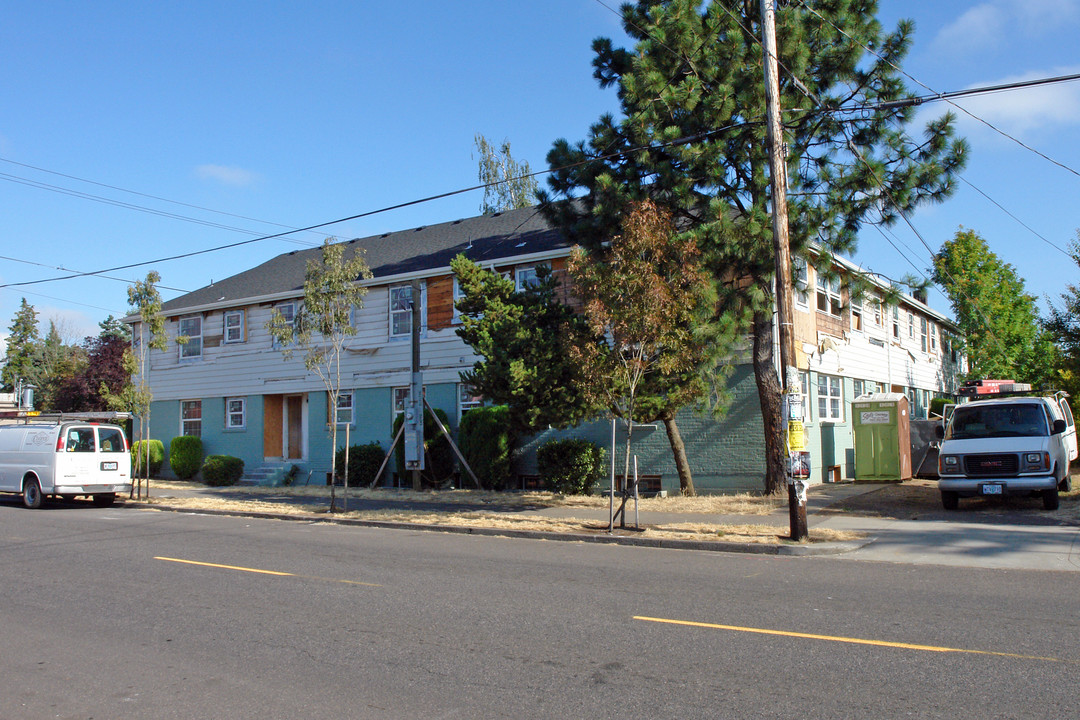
(124, 613)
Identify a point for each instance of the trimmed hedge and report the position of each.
(185, 456)
(138, 457)
(364, 462)
(439, 463)
(487, 442)
(570, 467)
(220, 470)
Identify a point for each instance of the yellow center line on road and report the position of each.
(855, 641)
(263, 572)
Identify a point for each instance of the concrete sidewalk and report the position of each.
(1025, 540)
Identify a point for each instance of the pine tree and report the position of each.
(22, 360)
(692, 136)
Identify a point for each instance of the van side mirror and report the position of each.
(1059, 426)
(939, 431)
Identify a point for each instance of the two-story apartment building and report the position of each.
(226, 382)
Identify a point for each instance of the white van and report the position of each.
(1006, 446)
(65, 459)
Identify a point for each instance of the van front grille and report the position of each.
(990, 465)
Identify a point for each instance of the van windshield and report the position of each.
(998, 421)
(111, 440)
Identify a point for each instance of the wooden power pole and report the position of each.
(785, 310)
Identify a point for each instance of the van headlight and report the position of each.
(1036, 461)
(949, 464)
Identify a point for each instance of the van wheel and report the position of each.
(950, 500)
(104, 499)
(31, 494)
(1050, 499)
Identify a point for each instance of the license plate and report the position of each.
(991, 489)
(110, 465)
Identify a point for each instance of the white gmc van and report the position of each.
(1008, 446)
(64, 459)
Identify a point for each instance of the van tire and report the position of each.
(31, 494)
(104, 499)
(950, 500)
(1050, 499)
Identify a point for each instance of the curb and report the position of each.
(783, 548)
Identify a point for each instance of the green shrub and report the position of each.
(439, 463)
(185, 456)
(364, 462)
(570, 467)
(487, 441)
(138, 457)
(222, 470)
(937, 407)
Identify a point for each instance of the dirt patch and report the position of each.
(920, 499)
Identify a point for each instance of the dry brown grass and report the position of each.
(745, 533)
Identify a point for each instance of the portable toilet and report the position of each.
(882, 427)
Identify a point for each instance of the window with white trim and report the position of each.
(401, 307)
(828, 295)
(234, 326)
(287, 311)
(191, 418)
(235, 413)
(800, 281)
(468, 399)
(401, 399)
(830, 398)
(924, 333)
(526, 277)
(343, 413)
(189, 335)
(896, 323)
(864, 387)
(459, 293)
(856, 312)
(876, 303)
(933, 337)
(911, 325)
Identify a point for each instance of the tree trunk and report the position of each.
(769, 395)
(678, 450)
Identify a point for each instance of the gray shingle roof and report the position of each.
(484, 239)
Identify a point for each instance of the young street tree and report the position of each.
(645, 294)
(999, 321)
(692, 137)
(321, 326)
(510, 184)
(145, 302)
(1063, 325)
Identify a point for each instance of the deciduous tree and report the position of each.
(510, 184)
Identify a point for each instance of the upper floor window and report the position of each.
(234, 326)
(856, 312)
(526, 277)
(458, 295)
(190, 335)
(191, 417)
(911, 325)
(235, 413)
(830, 399)
(896, 323)
(828, 295)
(933, 337)
(800, 281)
(287, 312)
(401, 307)
(924, 334)
(876, 304)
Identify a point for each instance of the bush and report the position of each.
(364, 462)
(570, 467)
(937, 407)
(222, 470)
(185, 456)
(138, 457)
(486, 441)
(439, 463)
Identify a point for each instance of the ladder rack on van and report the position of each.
(29, 416)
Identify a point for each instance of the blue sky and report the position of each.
(275, 112)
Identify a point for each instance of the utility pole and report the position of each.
(785, 310)
(414, 409)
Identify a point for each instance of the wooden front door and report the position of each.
(294, 437)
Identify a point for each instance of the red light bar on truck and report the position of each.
(980, 388)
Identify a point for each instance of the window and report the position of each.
(911, 326)
(235, 413)
(191, 417)
(111, 440)
(933, 338)
(468, 399)
(234, 326)
(856, 312)
(804, 382)
(287, 311)
(190, 337)
(80, 440)
(401, 399)
(896, 323)
(924, 334)
(864, 387)
(401, 311)
(830, 399)
(828, 295)
(876, 303)
(458, 295)
(344, 413)
(800, 281)
(526, 277)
